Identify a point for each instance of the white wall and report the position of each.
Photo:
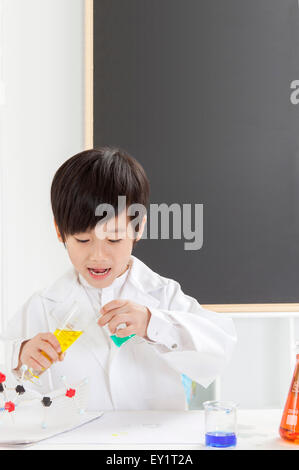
(41, 125)
(260, 372)
(261, 369)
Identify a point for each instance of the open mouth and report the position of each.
(99, 273)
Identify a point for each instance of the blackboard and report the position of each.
(199, 92)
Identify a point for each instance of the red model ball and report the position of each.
(9, 406)
(70, 392)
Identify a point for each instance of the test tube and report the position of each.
(116, 339)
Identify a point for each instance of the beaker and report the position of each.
(220, 423)
(289, 426)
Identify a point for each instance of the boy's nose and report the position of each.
(98, 256)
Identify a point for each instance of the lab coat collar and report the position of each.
(140, 277)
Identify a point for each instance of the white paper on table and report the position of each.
(25, 425)
(34, 434)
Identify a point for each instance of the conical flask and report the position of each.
(71, 327)
(67, 331)
(289, 426)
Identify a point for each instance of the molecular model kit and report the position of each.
(27, 415)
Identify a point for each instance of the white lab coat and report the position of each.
(183, 337)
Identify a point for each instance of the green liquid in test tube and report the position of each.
(116, 340)
(119, 341)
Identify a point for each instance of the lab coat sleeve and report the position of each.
(192, 340)
(23, 326)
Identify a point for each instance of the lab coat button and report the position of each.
(174, 346)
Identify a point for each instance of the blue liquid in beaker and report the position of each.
(221, 439)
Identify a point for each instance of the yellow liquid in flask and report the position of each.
(66, 337)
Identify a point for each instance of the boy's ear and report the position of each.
(57, 231)
(141, 228)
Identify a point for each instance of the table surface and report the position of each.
(161, 430)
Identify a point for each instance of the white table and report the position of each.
(257, 429)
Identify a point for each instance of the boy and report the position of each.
(173, 334)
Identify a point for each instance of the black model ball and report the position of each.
(20, 389)
(46, 401)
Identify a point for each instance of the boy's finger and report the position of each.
(52, 340)
(43, 361)
(106, 318)
(109, 315)
(112, 305)
(123, 332)
(34, 364)
(49, 350)
(118, 320)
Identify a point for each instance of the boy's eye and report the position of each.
(82, 241)
(85, 241)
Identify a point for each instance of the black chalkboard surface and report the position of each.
(199, 92)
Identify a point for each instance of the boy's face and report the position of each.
(102, 254)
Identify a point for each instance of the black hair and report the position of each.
(93, 177)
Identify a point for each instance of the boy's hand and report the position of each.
(119, 311)
(31, 352)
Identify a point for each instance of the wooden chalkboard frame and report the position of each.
(88, 143)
